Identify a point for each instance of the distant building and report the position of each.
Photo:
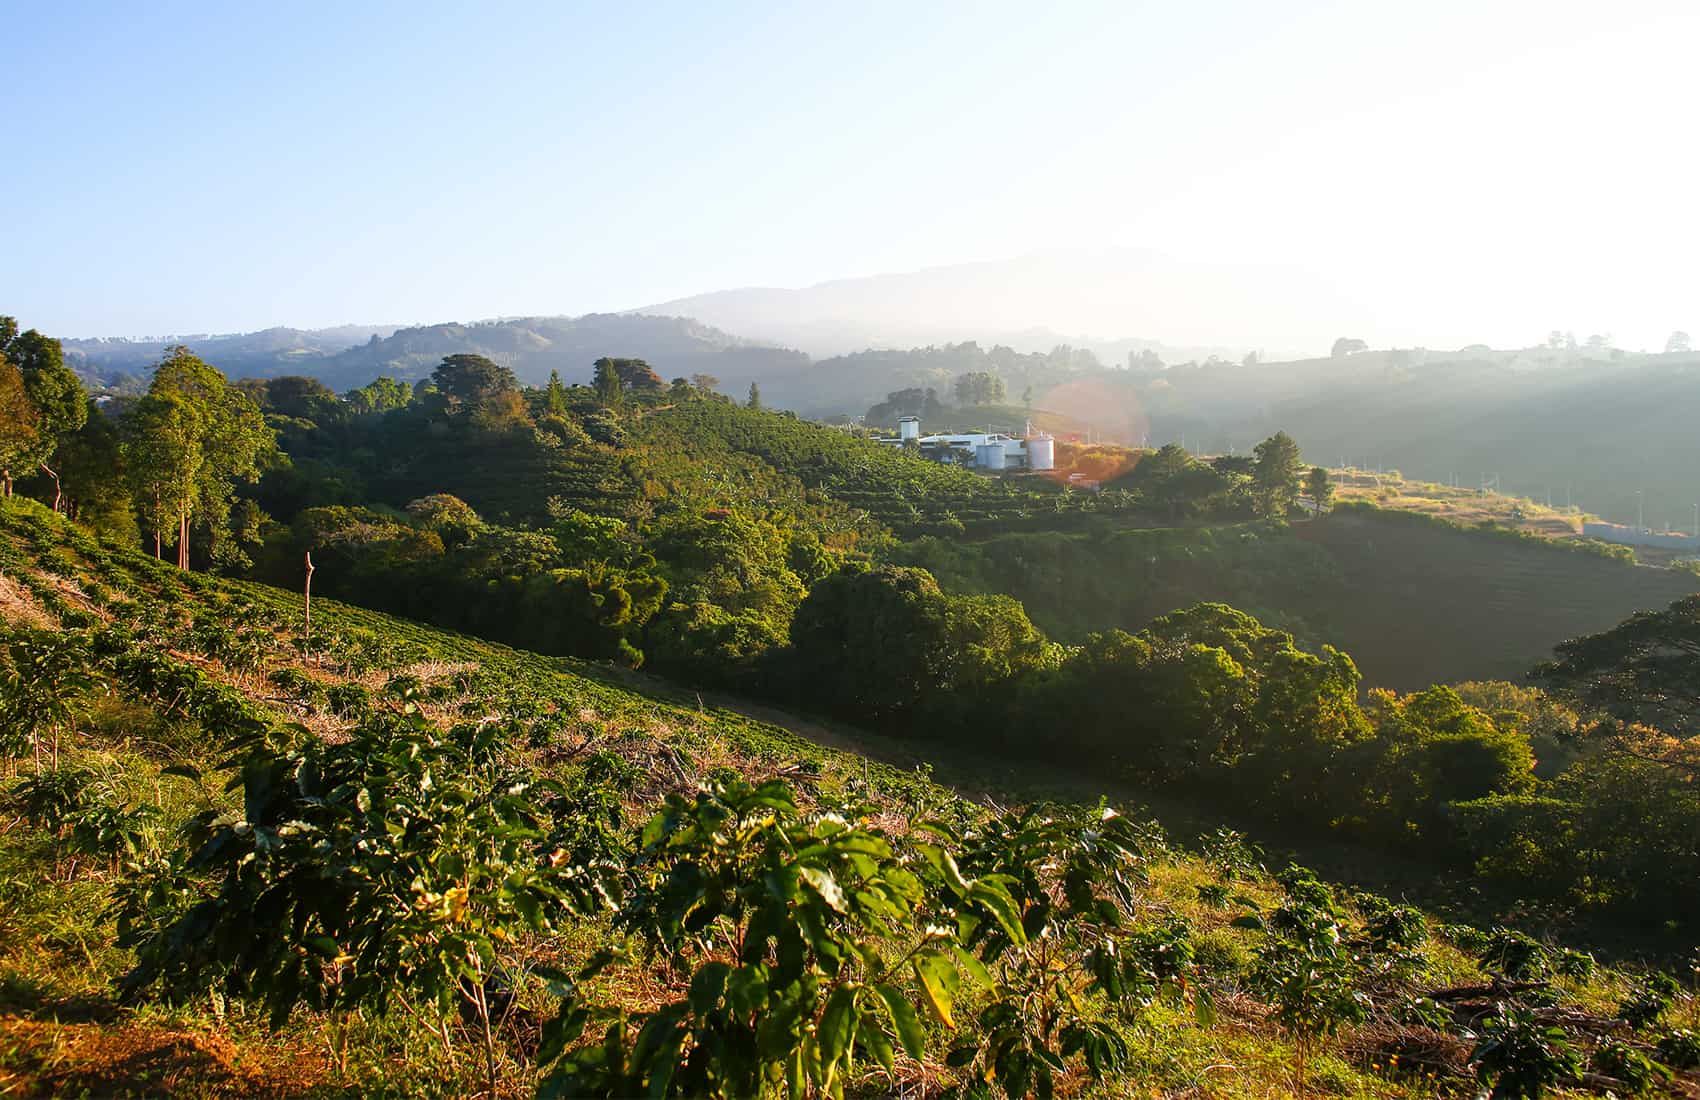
(982, 450)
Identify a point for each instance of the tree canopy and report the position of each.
(1645, 669)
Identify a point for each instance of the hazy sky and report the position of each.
(1472, 170)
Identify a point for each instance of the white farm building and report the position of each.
(982, 450)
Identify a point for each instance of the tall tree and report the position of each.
(755, 396)
(163, 457)
(53, 389)
(379, 396)
(979, 388)
(1646, 669)
(217, 437)
(90, 462)
(555, 395)
(469, 381)
(18, 420)
(1319, 489)
(1277, 475)
(1347, 345)
(610, 388)
(634, 374)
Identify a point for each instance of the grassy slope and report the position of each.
(62, 1032)
(1429, 604)
(1413, 600)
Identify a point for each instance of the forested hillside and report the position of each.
(1414, 601)
(257, 853)
(353, 813)
(1592, 425)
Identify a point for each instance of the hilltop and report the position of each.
(344, 358)
(1033, 302)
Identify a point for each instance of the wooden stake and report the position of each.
(307, 603)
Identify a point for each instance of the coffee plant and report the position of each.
(1638, 1072)
(1680, 1048)
(1306, 969)
(1522, 1058)
(1649, 999)
(404, 864)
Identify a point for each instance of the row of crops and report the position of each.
(570, 890)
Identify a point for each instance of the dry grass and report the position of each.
(50, 1058)
(1459, 505)
(18, 607)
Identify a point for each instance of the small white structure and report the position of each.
(992, 451)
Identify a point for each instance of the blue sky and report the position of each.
(1488, 168)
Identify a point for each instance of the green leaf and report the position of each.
(837, 1025)
(707, 985)
(938, 983)
(878, 1044)
(971, 967)
(1003, 908)
(323, 946)
(559, 1032)
(187, 771)
(946, 863)
(825, 885)
(1203, 1007)
(904, 1019)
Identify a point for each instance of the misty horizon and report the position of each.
(1458, 176)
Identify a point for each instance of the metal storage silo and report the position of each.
(989, 456)
(1041, 453)
(908, 427)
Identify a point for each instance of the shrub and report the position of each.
(403, 861)
(1575, 965)
(1648, 1000)
(1680, 1048)
(1622, 1061)
(1522, 1058)
(1514, 955)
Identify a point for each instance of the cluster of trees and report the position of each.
(913, 401)
(167, 462)
(41, 402)
(698, 595)
(1210, 699)
(980, 388)
(1267, 484)
(723, 544)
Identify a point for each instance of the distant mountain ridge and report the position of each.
(530, 346)
(239, 354)
(1032, 303)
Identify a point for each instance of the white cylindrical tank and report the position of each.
(989, 456)
(908, 427)
(1041, 453)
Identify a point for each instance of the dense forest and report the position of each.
(569, 888)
